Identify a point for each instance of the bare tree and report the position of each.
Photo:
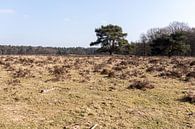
(144, 41)
(178, 27)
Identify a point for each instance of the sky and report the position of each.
(71, 23)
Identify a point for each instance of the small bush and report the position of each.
(191, 75)
(123, 63)
(171, 74)
(192, 63)
(98, 68)
(21, 73)
(190, 97)
(57, 70)
(141, 85)
(105, 72)
(111, 74)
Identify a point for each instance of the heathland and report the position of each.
(76, 92)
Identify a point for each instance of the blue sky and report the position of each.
(67, 23)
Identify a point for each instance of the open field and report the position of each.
(121, 92)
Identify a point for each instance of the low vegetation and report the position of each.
(97, 91)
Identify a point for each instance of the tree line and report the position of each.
(29, 50)
(177, 39)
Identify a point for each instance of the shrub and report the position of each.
(171, 74)
(192, 63)
(190, 97)
(105, 72)
(20, 73)
(191, 75)
(57, 70)
(141, 85)
(111, 74)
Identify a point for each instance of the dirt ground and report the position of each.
(118, 92)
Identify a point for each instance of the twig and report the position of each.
(93, 127)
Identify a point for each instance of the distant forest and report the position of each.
(29, 50)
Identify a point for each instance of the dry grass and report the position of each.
(79, 92)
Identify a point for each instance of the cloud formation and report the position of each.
(7, 11)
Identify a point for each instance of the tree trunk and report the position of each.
(110, 52)
(144, 49)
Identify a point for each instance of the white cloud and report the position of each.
(7, 11)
